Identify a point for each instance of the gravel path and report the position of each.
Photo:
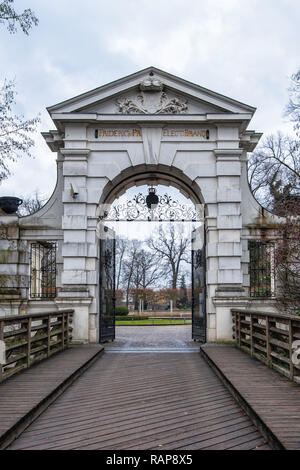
(175, 338)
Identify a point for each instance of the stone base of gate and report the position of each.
(93, 328)
(81, 319)
(211, 328)
(224, 316)
(10, 305)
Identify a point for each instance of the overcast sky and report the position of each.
(243, 49)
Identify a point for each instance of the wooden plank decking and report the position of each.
(144, 401)
(272, 397)
(25, 396)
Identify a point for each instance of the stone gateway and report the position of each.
(149, 126)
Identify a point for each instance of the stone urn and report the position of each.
(10, 204)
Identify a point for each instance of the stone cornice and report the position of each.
(228, 152)
(249, 140)
(75, 152)
(94, 117)
(232, 301)
(54, 139)
(240, 119)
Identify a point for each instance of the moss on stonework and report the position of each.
(3, 280)
(3, 256)
(8, 291)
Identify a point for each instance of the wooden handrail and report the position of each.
(269, 337)
(12, 318)
(27, 339)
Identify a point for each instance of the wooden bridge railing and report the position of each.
(271, 338)
(26, 339)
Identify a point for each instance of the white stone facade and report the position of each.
(148, 126)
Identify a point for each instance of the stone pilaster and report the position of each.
(228, 247)
(14, 266)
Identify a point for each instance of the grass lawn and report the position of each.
(154, 321)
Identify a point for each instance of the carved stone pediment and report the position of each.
(150, 91)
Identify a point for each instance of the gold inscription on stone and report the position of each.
(134, 132)
(117, 133)
(185, 133)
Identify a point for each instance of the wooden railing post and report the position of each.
(67, 328)
(48, 335)
(235, 332)
(63, 330)
(28, 342)
(251, 335)
(292, 368)
(2, 346)
(234, 325)
(268, 346)
(239, 341)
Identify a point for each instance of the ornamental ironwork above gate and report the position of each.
(152, 207)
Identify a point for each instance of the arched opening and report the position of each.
(152, 258)
(146, 174)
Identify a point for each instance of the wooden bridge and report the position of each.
(217, 397)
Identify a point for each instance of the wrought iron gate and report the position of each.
(107, 286)
(198, 285)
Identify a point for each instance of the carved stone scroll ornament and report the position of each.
(151, 100)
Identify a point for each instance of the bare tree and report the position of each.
(14, 130)
(146, 269)
(287, 257)
(121, 247)
(138, 269)
(128, 266)
(32, 204)
(8, 15)
(274, 169)
(171, 245)
(293, 107)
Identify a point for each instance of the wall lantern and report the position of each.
(152, 199)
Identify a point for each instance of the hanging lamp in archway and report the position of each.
(152, 199)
